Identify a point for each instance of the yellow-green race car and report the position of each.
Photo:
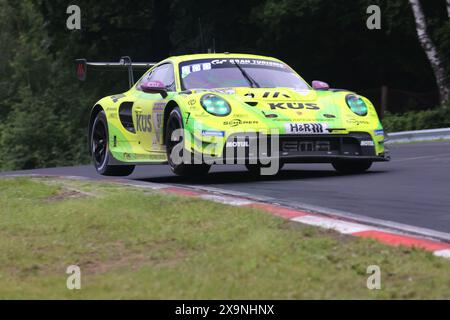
(198, 110)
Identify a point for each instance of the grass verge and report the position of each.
(131, 243)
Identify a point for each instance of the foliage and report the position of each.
(44, 110)
(418, 120)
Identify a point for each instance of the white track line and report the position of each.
(340, 226)
(443, 253)
(227, 200)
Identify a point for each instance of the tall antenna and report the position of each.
(214, 45)
(202, 44)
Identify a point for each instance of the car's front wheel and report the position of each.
(100, 150)
(352, 166)
(175, 122)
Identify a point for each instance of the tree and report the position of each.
(431, 50)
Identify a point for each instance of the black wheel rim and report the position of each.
(99, 144)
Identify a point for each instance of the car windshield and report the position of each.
(237, 72)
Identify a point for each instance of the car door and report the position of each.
(148, 109)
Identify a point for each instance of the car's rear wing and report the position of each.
(124, 62)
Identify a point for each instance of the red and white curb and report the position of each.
(340, 225)
(387, 232)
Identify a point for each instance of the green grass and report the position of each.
(131, 243)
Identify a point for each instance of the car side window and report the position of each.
(164, 74)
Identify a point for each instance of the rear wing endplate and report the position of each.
(124, 63)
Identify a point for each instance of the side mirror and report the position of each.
(320, 85)
(154, 87)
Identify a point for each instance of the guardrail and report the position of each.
(418, 135)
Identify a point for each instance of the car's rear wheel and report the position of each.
(175, 122)
(352, 166)
(100, 150)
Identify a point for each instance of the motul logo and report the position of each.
(234, 144)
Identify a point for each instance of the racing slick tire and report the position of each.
(100, 150)
(351, 167)
(175, 122)
(255, 169)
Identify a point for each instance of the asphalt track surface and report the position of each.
(413, 189)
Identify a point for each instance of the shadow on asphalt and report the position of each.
(230, 177)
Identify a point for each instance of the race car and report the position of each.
(194, 111)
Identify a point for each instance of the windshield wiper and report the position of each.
(252, 81)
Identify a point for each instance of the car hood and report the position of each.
(289, 104)
(275, 107)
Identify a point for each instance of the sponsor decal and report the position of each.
(239, 144)
(209, 133)
(237, 122)
(159, 106)
(251, 62)
(306, 128)
(368, 143)
(329, 116)
(154, 156)
(187, 70)
(157, 122)
(192, 102)
(143, 122)
(188, 117)
(241, 115)
(276, 94)
(379, 132)
(294, 105)
(357, 122)
(128, 156)
(270, 115)
(220, 90)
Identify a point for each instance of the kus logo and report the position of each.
(292, 105)
(143, 122)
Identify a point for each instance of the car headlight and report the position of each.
(215, 105)
(356, 104)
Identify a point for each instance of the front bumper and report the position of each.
(245, 148)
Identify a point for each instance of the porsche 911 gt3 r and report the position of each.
(223, 103)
